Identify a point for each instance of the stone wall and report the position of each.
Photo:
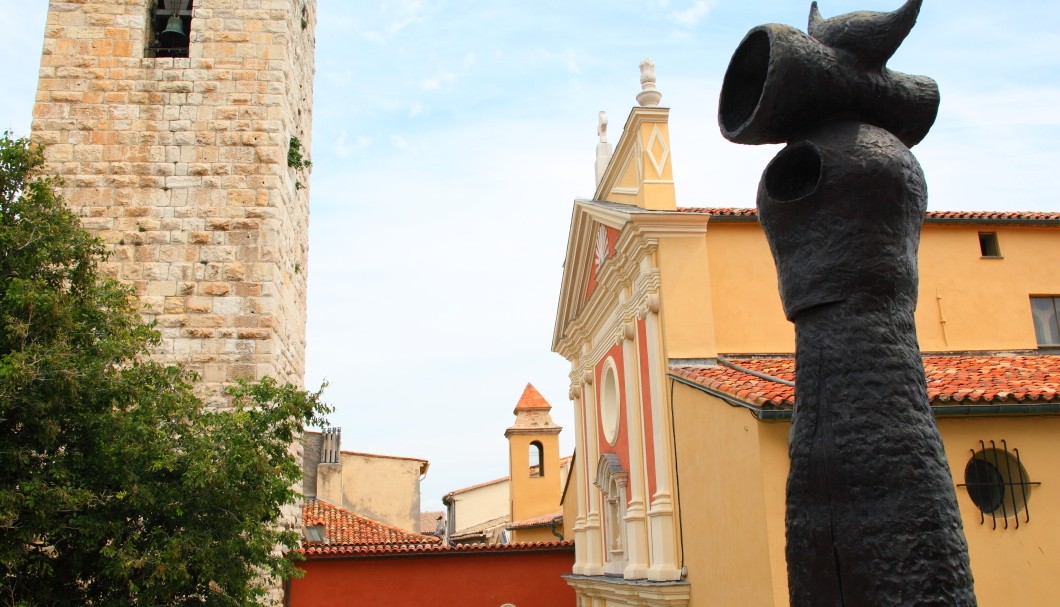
(180, 164)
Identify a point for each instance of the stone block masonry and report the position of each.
(180, 165)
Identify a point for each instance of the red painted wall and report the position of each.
(621, 446)
(477, 579)
(645, 399)
(612, 236)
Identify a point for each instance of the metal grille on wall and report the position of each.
(998, 484)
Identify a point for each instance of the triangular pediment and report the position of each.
(639, 172)
(595, 229)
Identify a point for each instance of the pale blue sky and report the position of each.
(450, 139)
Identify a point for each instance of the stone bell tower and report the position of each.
(182, 130)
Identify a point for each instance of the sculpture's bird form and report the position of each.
(871, 36)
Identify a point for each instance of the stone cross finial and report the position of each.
(603, 148)
(648, 96)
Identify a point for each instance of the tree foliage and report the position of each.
(118, 485)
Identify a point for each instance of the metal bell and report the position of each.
(173, 36)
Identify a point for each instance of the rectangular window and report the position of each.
(988, 244)
(1046, 312)
(170, 28)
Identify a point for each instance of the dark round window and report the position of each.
(986, 486)
(997, 482)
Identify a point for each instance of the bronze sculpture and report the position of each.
(872, 517)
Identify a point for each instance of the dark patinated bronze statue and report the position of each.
(872, 516)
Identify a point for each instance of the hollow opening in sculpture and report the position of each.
(745, 79)
(793, 173)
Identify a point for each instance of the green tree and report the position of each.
(118, 485)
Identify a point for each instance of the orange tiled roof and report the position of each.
(538, 521)
(952, 379)
(326, 551)
(532, 399)
(345, 528)
(429, 521)
(932, 216)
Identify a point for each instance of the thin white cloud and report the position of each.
(693, 14)
(394, 16)
(572, 59)
(442, 81)
(344, 149)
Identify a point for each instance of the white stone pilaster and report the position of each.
(581, 473)
(594, 540)
(663, 531)
(636, 528)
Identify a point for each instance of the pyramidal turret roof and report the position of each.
(531, 399)
(531, 414)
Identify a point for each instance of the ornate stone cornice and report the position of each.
(636, 593)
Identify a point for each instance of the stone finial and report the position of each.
(603, 148)
(648, 96)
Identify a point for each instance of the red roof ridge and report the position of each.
(332, 551)
(537, 521)
(941, 216)
(952, 378)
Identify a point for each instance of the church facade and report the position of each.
(682, 384)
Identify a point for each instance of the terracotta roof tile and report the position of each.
(952, 379)
(429, 521)
(538, 521)
(532, 399)
(346, 528)
(992, 379)
(932, 216)
(326, 551)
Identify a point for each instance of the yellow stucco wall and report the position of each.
(723, 503)
(985, 301)
(733, 472)
(1012, 566)
(481, 504)
(773, 442)
(534, 495)
(395, 488)
(688, 327)
(535, 534)
(748, 317)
